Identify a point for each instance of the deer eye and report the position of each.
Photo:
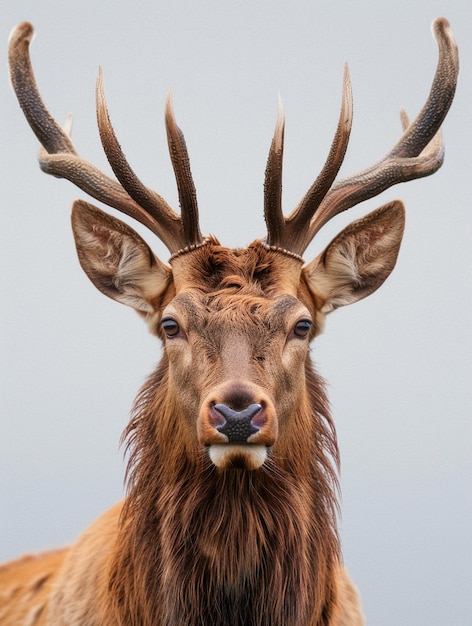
(302, 328)
(170, 327)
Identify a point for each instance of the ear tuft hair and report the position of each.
(117, 260)
(359, 259)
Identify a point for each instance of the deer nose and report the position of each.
(235, 415)
(237, 426)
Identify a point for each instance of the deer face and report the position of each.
(236, 347)
(236, 324)
(236, 364)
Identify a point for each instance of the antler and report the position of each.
(59, 157)
(418, 153)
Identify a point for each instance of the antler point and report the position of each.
(280, 124)
(440, 24)
(67, 127)
(24, 31)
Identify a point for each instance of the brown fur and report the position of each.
(254, 547)
(230, 517)
(25, 588)
(194, 544)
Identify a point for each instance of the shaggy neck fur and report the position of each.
(199, 546)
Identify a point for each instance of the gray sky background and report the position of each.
(398, 363)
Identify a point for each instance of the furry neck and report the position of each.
(200, 546)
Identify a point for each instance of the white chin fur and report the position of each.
(223, 454)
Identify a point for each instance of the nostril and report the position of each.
(216, 417)
(259, 419)
(238, 426)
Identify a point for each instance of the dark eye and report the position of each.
(170, 327)
(302, 329)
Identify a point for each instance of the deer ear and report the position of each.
(358, 260)
(117, 261)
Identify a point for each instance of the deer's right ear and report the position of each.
(118, 262)
(358, 260)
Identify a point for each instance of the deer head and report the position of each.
(236, 324)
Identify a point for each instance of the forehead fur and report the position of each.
(255, 270)
(229, 310)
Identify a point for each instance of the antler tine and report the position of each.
(443, 88)
(58, 157)
(298, 220)
(183, 175)
(290, 233)
(44, 126)
(273, 183)
(418, 153)
(168, 223)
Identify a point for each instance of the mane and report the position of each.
(237, 547)
(250, 539)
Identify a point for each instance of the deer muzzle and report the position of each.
(238, 425)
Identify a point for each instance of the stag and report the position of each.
(230, 512)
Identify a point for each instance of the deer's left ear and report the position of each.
(358, 260)
(118, 261)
